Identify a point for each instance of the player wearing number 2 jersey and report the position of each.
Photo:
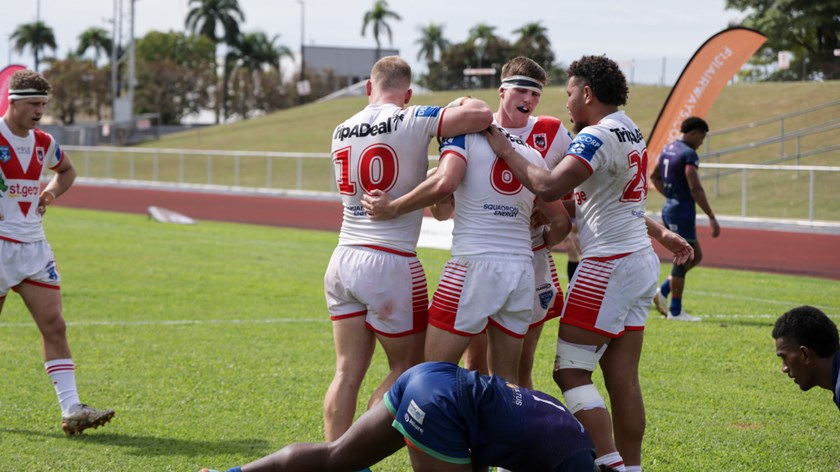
(375, 286)
(610, 294)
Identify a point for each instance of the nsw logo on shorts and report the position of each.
(416, 413)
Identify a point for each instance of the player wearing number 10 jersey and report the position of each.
(375, 286)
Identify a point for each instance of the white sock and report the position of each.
(613, 460)
(62, 372)
(633, 468)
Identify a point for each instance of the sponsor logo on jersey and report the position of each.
(502, 210)
(540, 141)
(3, 186)
(459, 141)
(624, 135)
(585, 145)
(58, 153)
(39, 153)
(5, 154)
(21, 190)
(517, 393)
(427, 111)
(362, 130)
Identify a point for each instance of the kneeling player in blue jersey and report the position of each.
(452, 419)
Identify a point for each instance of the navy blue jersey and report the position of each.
(837, 379)
(672, 162)
(461, 416)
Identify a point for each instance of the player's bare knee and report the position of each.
(52, 325)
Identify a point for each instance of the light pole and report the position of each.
(302, 56)
(480, 45)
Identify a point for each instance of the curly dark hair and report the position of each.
(29, 79)
(808, 326)
(694, 123)
(603, 76)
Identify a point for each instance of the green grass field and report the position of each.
(213, 345)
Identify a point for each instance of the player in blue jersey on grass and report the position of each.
(452, 419)
(807, 343)
(676, 177)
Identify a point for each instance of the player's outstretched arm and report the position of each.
(380, 206)
(465, 115)
(679, 247)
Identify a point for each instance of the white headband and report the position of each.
(523, 82)
(26, 93)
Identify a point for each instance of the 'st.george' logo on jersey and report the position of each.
(540, 141)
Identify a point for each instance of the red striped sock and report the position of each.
(62, 372)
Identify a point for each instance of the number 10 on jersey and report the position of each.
(377, 169)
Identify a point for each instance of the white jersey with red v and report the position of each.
(22, 159)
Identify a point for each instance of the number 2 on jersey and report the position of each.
(636, 189)
(377, 169)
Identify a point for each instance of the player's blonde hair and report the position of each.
(391, 72)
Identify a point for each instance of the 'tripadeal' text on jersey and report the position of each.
(383, 147)
(21, 163)
(610, 204)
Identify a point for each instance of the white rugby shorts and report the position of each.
(32, 263)
(477, 290)
(612, 294)
(385, 286)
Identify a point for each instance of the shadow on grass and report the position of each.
(159, 446)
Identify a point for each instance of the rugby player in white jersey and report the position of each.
(519, 95)
(610, 294)
(27, 263)
(489, 281)
(375, 286)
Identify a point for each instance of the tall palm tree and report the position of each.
(432, 43)
(37, 36)
(97, 39)
(205, 17)
(377, 18)
(482, 31)
(533, 42)
(252, 52)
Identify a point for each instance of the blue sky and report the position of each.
(652, 39)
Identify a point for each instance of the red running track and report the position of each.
(796, 253)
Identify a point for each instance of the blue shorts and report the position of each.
(684, 225)
(462, 417)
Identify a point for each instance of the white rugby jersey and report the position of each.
(551, 139)
(610, 204)
(383, 147)
(21, 162)
(492, 208)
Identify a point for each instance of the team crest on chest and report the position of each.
(540, 141)
(5, 154)
(39, 153)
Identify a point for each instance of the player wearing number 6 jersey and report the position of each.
(375, 286)
(610, 294)
(489, 281)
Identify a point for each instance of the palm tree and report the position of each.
(377, 19)
(252, 52)
(97, 39)
(205, 17)
(533, 42)
(482, 31)
(36, 36)
(432, 43)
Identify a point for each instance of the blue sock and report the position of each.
(665, 288)
(235, 469)
(676, 306)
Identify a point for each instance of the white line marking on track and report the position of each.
(175, 322)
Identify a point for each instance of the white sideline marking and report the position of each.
(175, 322)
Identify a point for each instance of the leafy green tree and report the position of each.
(36, 36)
(810, 29)
(76, 86)
(175, 74)
(97, 39)
(432, 43)
(205, 18)
(378, 18)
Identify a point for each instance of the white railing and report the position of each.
(744, 168)
(304, 173)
